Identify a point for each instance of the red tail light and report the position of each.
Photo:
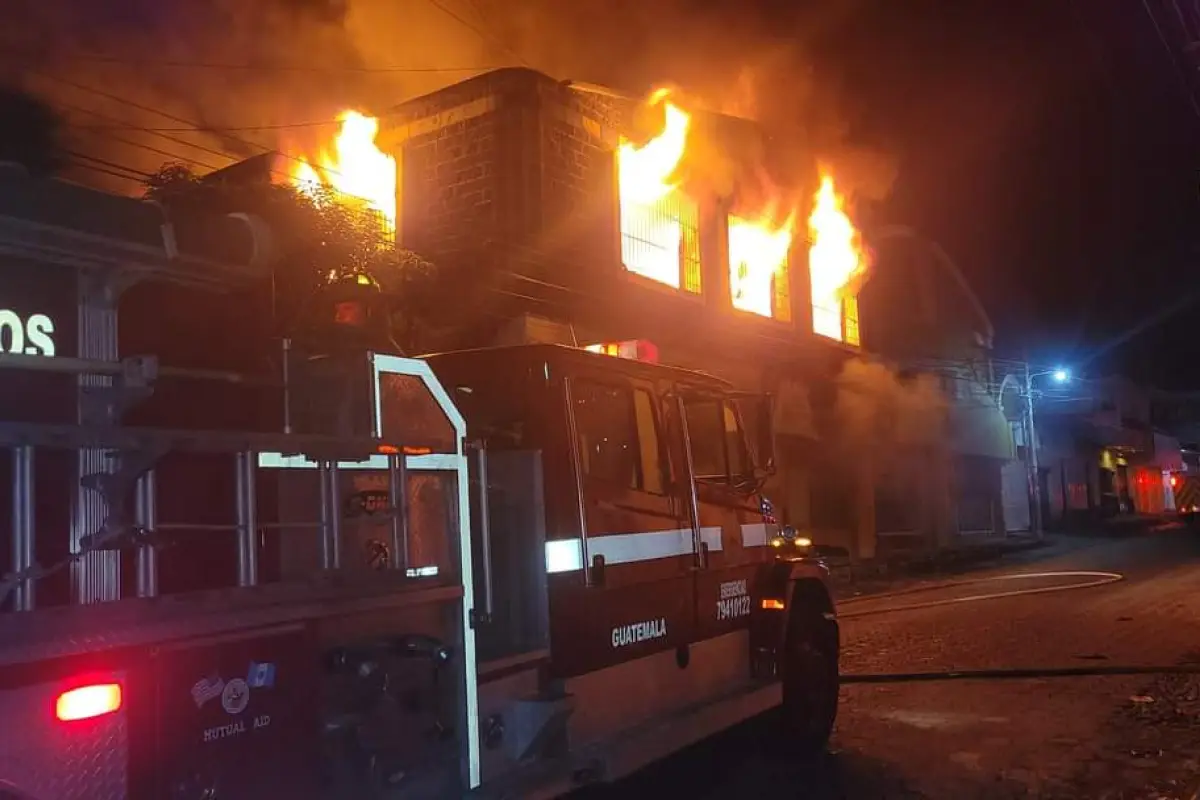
(86, 702)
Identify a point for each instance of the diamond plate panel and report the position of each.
(51, 760)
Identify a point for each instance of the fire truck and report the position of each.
(506, 572)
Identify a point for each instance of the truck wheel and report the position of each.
(810, 678)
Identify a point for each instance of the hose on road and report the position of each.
(1088, 580)
(1019, 674)
(1092, 580)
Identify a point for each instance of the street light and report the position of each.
(1060, 375)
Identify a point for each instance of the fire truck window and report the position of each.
(707, 438)
(651, 452)
(608, 448)
(735, 444)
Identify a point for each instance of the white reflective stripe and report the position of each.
(756, 534)
(566, 555)
(711, 537)
(422, 572)
(433, 461)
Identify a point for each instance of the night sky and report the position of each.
(1051, 148)
(1048, 145)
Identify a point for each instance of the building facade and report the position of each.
(548, 203)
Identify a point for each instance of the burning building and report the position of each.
(567, 213)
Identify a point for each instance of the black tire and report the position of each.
(810, 679)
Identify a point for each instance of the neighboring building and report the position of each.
(919, 313)
(1103, 453)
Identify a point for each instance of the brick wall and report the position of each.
(510, 178)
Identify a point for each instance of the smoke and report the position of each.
(273, 74)
(878, 411)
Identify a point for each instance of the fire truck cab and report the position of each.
(634, 591)
(238, 569)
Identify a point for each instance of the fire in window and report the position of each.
(836, 266)
(659, 223)
(354, 172)
(758, 267)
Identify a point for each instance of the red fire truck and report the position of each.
(504, 572)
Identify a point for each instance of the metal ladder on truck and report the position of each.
(127, 491)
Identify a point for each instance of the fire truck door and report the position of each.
(638, 542)
(732, 528)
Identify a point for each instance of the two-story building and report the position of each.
(920, 314)
(1103, 451)
(570, 214)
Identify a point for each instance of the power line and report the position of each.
(324, 123)
(482, 34)
(1180, 73)
(148, 109)
(261, 67)
(139, 145)
(193, 125)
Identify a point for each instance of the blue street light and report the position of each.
(1061, 375)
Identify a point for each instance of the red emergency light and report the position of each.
(635, 349)
(87, 702)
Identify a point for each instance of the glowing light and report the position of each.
(354, 167)
(835, 261)
(656, 217)
(758, 261)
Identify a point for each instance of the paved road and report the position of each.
(1061, 738)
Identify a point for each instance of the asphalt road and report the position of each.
(1102, 737)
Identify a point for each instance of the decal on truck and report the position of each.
(735, 600)
(625, 635)
(235, 697)
(31, 337)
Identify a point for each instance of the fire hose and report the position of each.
(1083, 580)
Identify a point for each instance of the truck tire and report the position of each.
(809, 674)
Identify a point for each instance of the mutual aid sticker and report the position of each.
(235, 697)
(734, 600)
(626, 635)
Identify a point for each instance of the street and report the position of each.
(1104, 737)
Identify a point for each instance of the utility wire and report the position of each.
(267, 67)
(482, 34)
(139, 145)
(1179, 71)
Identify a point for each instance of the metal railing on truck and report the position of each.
(128, 490)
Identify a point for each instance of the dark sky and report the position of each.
(1051, 148)
(1048, 145)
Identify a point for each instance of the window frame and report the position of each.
(629, 394)
(723, 405)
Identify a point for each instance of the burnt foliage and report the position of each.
(324, 238)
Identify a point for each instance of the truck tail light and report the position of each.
(86, 702)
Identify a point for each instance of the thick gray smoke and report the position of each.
(253, 73)
(880, 413)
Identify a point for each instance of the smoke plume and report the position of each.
(879, 412)
(210, 82)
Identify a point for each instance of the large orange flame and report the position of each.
(835, 261)
(651, 227)
(758, 261)
(354, 167)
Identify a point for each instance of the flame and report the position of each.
(834, 260)
(652, 207)
(354, 167)
(758, 259)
